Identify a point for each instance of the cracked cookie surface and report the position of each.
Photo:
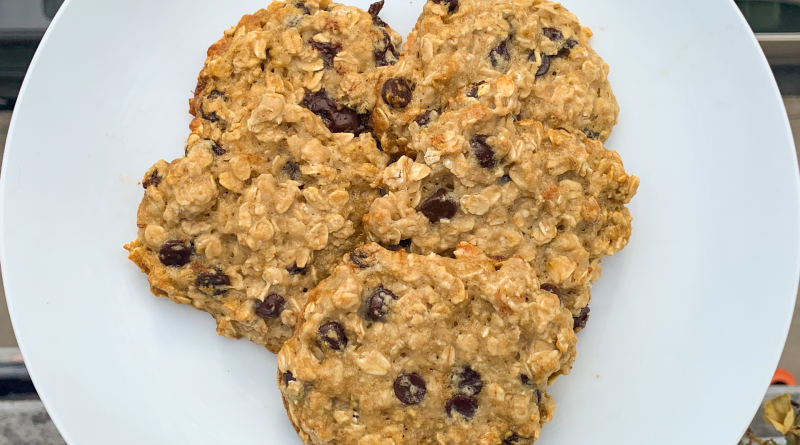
(401, 348)
(560, 81)
(277, 171)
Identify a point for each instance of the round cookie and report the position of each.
(552, 197)
(273, 187)
(321, 56)
(559, 80)
(407, 349)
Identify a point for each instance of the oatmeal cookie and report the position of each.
(277, 171)
(397, 348)
(559, 80)
(552, 197)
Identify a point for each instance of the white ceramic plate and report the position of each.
(687, 323)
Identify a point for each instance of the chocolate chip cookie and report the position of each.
(277, 170)
(408, 349)
(458, 45)
(554, 198)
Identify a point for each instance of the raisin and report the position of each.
(514, 439)
(579, 322)
(358, 257)
(327, 51)
(288, 377)
(468, 381)
(377, 306)
(219, 151)
(271, 307)
(212, 283)
(438, 206)
(338, 118)
(153, 179)
(544, 67)
(503, 180)
(525, 380)
(302, 7)
(381, 53)
(211, 117)
(552, 288)
(499, 55)
(294, 270)
(464, 405)
(591, 134)
(483, 152)
(175, 253)
(333, 334)
(565, 50)
(410, 388)
(396, 92)
(423, 119)
(216, 94)
(394, 157)
(452, 5)
(553, 34)
(472, 89)
(292, 170)
(374, 10)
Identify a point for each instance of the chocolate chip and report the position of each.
(154, 179)
(382, 52)
(472, 89)
(452, 5)
(288, 377)
(327, 51)
(514, 439)
(409, 388)
(338, 118)
(483, 152)
(219, 151)
(552, 288)
(503, 180)
(175, 253)
(374, 10)
(579, 322)
(292, 170)
(333, 334)
(591, 134)
(464, 405)
(468, 381)
(302, 7)
(525, 380)
(404, 244)
(499, 55)
(553, 34)
(544, 67)
(358, 257)
(396, 92)
(294, 270)
(377, 306)
(423, 119)
(271, 307)
(438, 206)
(212, 283)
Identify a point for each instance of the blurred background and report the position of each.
(23, 420)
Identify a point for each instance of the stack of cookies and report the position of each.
(414, 232)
